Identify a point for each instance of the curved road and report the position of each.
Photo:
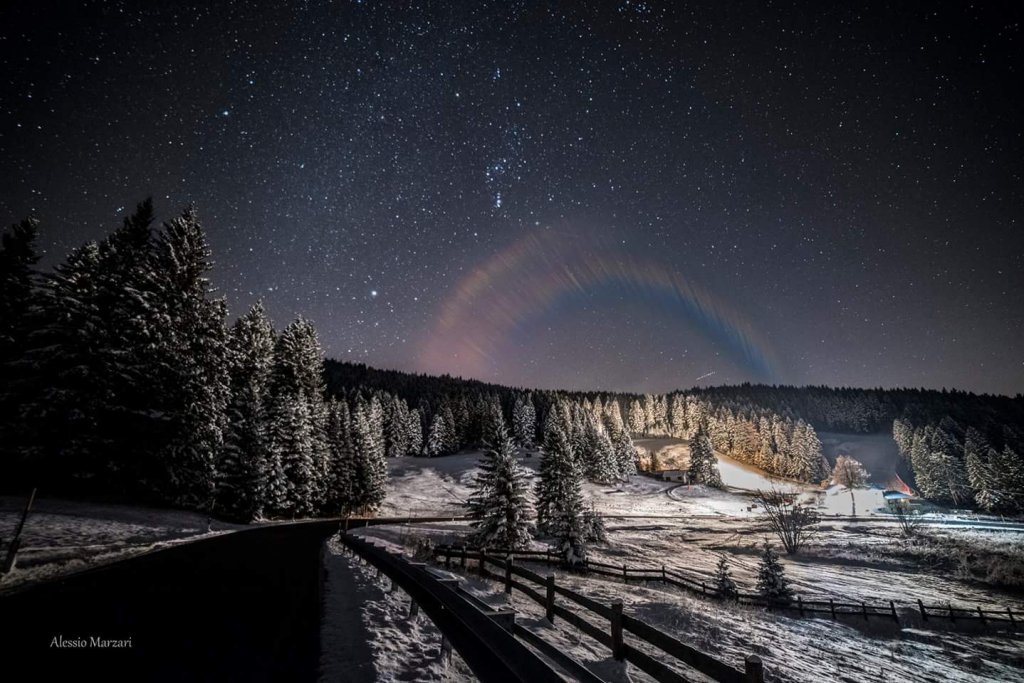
(243, 606)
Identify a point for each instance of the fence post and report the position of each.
(753, 669)
(623, 572)
(550, 603)
(508, 574)
(462, 563)
(703, 588)
(447, 558)
(832, 606)
(483, 562)
(924, 614)
(663, 577)
(1013, 622)
(892, 607)
(800, 605)
(981, 615)
(446, 650)
(617, 650)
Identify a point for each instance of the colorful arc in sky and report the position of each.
(536, 277)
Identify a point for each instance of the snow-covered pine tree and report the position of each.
(188, 373)
(371, 465)
(771, 577)
(455, 419)
(613, 416)
(625, 452)
(677, 416)
(703, 463)
(500, 504)
(396, 432)
(561, 514)
(414, 432)
(903, 435)
(92, 406)
(492, 423)
(343, 471)
(598, 456)
(439, 438)
(637, 418)
(524, 421)
(298, 417)
(292, 439)
(725, 586)
(980, 463)
(243, 466)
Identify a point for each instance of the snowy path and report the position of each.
(345, 653)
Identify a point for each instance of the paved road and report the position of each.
(243, 606)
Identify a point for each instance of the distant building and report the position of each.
(894, 498)
(675, 475)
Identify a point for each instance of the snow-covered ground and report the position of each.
(367, 633)
(794, 649)
(61, 536)
(689, 528)
(675, 454)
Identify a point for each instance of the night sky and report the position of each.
(618, 195)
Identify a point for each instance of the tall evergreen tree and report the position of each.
(625, 452)
(598, 455)
(191, 351)
(703, 463)
(243, 467)
(371, 469)
(500, 504)
(343, 470)
(298, 418)
(414, 430)
(19, 303)
(439, 438)
(524, 421)
(561, 513)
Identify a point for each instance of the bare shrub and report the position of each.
(907, 521)
(792, 522)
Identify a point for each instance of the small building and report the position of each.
(897, 498)
(682, 476)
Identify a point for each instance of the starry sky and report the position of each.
(621, 195)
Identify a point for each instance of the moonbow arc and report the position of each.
(537, 276)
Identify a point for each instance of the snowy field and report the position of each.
(61, 537)
(657, 523)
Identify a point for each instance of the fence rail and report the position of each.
(619, 623)
(830, 606)
(491, 652)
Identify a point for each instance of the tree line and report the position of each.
(122, 380)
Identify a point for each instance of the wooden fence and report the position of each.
(545, 591)
(698, 586)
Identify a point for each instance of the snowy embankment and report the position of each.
(61, 537)
(367, 633)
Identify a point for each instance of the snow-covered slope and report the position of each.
(66, 536)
